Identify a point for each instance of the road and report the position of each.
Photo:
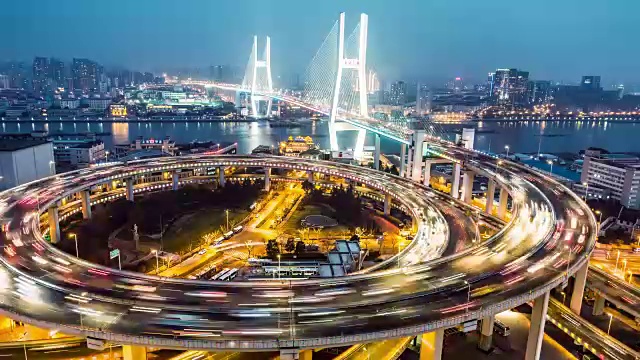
(525, 257)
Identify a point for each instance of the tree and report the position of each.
(300, 247)
(249, 246)
(307, 186)
(355, 237)
(272, 248)
(290, 245)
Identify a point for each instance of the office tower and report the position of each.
(539, 92)
(57, 72)
(398, 93)
(423, 99)
(86, 74)
(590, 82)
(509, 86)
(40, 74)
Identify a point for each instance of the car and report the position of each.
(202, 252)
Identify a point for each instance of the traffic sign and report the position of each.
(114, 253)
(96, 344)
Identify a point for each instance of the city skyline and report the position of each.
(476, 39)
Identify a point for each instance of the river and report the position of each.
(560, 136)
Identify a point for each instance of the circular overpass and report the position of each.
(549, 237)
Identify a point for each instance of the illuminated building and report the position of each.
(509, 86)
(423, 100)
(76, 154)
(373, 83)
(296, 146)
(615, 175)
(398, 93)
(166, 146)
(540, 92)
(118, 110)
(86, 74)
(40, 73)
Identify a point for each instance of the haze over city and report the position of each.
(414, 39)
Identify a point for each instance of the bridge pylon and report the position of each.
(359, 66)
(257, 77)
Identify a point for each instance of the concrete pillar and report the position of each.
(455, 180)
(175, 178)
(491, 192)
(85, 198)
(403, 150)
(486, 333)
(306, 354)
(409, 162)
(431, 345)
(376, 152)
(467, 186)
(221, 175)
(502, 204)
(598, 305)
(290, 354)
(310, 176)
(108, 186)
(134, 352)
(267, 179)
(426, 179)
(129, 185)
(387, 204)
(418, 141)
(35, 333)
(536, 330)
(54, 224)
(578, 289)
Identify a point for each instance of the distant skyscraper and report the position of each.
(373, 83)
(458, 85)
(216, 73)
(509, 86)
(86, 74)
(40, 73)
(590, 82)
(4, 82)
(539, 92)
(57, 72)
(423, 100)
(398, 93)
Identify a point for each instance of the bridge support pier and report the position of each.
(267, 179)
(296, 354)
(310, 176)
(467, 186)
(431, 345)
(54, 224)
(578, 289)
(416, 157)
(536, 330)
(175, 177)
(134, 352)
(598, 305)
(129, 188)
(491, 192)
(403, 150)
(387, 204)
(221, 181)
(455, 180)
(85, 197)
(502, 203)
(486, 334)
(376, 152)
(426, 180)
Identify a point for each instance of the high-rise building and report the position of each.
(40, 73)
(373, 83)
(509, 86)
(86, 74)
(4, 82)
(458, 85)
(57, 72)
(590, 82)
(423, 99)
(216, 73)
(398, 93)
(540, 92)
(17, 75)
(616, 176)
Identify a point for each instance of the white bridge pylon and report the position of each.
(357, 65)
(257, 77)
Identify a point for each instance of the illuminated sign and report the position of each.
(118, 110)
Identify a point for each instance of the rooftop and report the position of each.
(12, 144)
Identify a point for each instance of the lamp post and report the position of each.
(598, 212)
(617, 258)
(157, 263)
(507, 148)
(278, 266)
(227, 212)
(550, 162)
(75, 237)
(610, 321)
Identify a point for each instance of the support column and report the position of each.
(267, 179)
(403, 150)
(409, 162)
(486, 334)
(536, 330)
(455, 180)
(310, 176)
(54, 224)
(502, 204)
(306, 354)
(134, 352)
(418, 141)
(85, 197)
(598, 305)
(491, 192)
(578, 289)
(221, 175)
(129, 185)
(467, 186)
(376, 152)
(175, 177)
(387, 204)
(426, 180)
(290, 354)
(431, 345)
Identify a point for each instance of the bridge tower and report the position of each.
(357, 65)
(257, 77)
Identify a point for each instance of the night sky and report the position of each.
(414, 39)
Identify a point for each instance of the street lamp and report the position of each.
(617, 258)
(624, 268)
(75, 237)
(278, 266)
(227, 212)
(610, 321)
(507, 148)
(157, 263)
(550, 166)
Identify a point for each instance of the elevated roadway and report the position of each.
(523, 262)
